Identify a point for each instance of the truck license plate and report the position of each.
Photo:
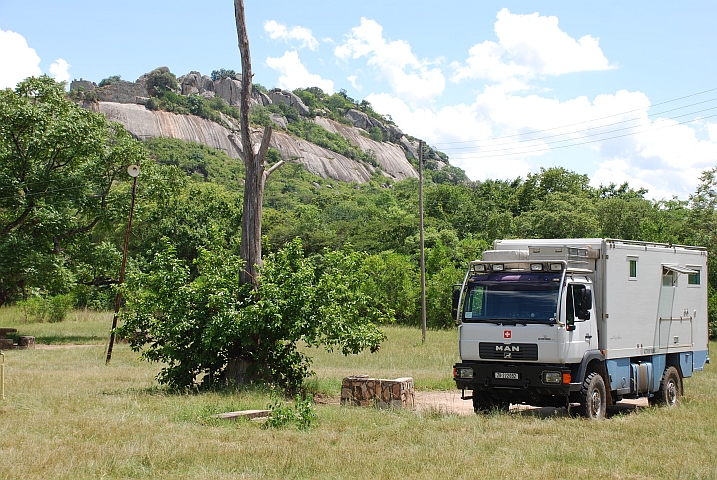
(506, 375)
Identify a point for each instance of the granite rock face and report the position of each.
(143, 124)
(124, 102)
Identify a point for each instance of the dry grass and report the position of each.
(67, 415)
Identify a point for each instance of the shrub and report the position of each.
(302, 415)
(223, 73)
(161, 80)
(196, 324)
(110, 80)
(46, 309)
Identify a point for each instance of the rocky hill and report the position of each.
(127, 102)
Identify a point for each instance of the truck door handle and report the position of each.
(588, 336)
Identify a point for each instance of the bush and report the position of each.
(46, 309)
(223, 73)
(110, 80)
(161, 80)
(195, 324)
(302, 415)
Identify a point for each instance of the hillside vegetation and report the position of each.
(190, 196)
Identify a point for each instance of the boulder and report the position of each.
(207, 84)
(359, 119)
(229, 90)
(261, 98)
(190, 83)
(409, 147)
(394, 133)
(284, 96)
(279, 120)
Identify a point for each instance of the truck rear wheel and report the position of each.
(593, 397)
(670, 390)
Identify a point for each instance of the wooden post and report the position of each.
(118, 299)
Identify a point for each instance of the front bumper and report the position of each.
(517, 383)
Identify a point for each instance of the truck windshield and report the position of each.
(512, 298)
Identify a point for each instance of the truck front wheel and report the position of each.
(484, 403)
(670, 390)
(593, 397)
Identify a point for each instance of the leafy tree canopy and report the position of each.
(58, 165)
(198, 324)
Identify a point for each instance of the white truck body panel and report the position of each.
(538, 318)
(639, 315)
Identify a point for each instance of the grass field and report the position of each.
(67, 415)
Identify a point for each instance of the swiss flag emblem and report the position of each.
(507, 334)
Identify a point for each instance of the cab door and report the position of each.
(580, 334)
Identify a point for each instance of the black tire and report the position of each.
(670, 391)
(593, 397)
(484, 403)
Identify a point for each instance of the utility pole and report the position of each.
(133, 171)
(423, 252)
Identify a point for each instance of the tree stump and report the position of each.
(26, 342)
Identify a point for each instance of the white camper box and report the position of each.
(649, 313)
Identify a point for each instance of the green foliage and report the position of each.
(223, 73)
(37, 309)
(193, 104)
(196, 323)
(110, 80)
(302, 414)
(61, 167)
(331, 141)
(198, 161)
(161, 80)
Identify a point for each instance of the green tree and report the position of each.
(161, 80)
(58, 166)
(203, 326)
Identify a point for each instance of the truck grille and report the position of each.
(508, 351)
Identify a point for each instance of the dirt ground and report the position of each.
(449, 402)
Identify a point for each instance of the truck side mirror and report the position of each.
(456, 296)
(586, 302)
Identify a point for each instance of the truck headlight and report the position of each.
(552, 377)
(463, 373)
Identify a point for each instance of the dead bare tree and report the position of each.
(256, 171)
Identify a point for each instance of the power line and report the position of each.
(588, 121)
(575, 144)
(592, 128)
(590, 135)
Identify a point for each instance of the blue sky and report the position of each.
(475, 79)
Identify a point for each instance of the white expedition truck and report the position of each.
(580, 321)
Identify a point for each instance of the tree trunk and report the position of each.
(256, 174)
(238, 369)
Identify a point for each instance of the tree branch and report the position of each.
(237, 146)
(273, 168)
(74, 231)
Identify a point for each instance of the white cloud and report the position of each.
(17, 60)
(529, 46)
(354, 83)
(278, 31)
(60, 70)
(491, 138)
(293, 74)
(412, 80)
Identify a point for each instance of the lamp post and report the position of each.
(422, 246)
(133, 171)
